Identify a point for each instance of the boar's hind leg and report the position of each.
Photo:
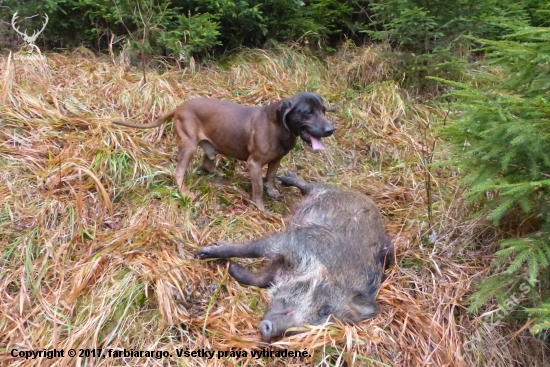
(290, 179)
(263, 278)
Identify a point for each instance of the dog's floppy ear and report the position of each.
(282, 112)
(320, 99)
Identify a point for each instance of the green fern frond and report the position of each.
(533, 261)
(542, 257)
(542, 317)
(533, 250)
(520, 258)
(525, 204)
(488, 289)
(496, 215)
(540, 326)
(543, 311)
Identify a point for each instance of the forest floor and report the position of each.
(98, 249)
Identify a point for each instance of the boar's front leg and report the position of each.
(262, 247)
(258, 248)
(290, 179)
(263, 278)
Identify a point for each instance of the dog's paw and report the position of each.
(259, 204)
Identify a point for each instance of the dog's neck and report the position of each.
(288, 143)
(286, 137)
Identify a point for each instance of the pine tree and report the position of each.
(502, 144)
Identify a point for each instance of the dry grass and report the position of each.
(97, 247)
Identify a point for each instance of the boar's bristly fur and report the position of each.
(327, 263)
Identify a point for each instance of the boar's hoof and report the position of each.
(266, 328)
(208, 252)
(288, 179)
(274, 194)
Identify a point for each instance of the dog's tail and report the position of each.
(155, 123)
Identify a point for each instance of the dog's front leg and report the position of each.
(272, 168)
(255, 169)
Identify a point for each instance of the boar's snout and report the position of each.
(276, 329)
(276, 322)
(266, 328)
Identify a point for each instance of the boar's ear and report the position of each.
(386, 252)
(282, 113)
(364, 305)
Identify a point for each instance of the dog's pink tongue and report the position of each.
(316, 143)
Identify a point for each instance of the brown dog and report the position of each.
(257, 135)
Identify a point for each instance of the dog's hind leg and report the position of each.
(184, 128)
(185, 155)
(209, 160)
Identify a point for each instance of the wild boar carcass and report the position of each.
(328, 262)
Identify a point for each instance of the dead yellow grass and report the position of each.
(97, 247)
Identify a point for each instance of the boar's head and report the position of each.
(297, 303)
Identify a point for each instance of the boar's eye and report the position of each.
(325, 311)
(309, 112)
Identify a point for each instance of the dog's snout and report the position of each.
(329, 130)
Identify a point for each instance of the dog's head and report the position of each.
(304, 116)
